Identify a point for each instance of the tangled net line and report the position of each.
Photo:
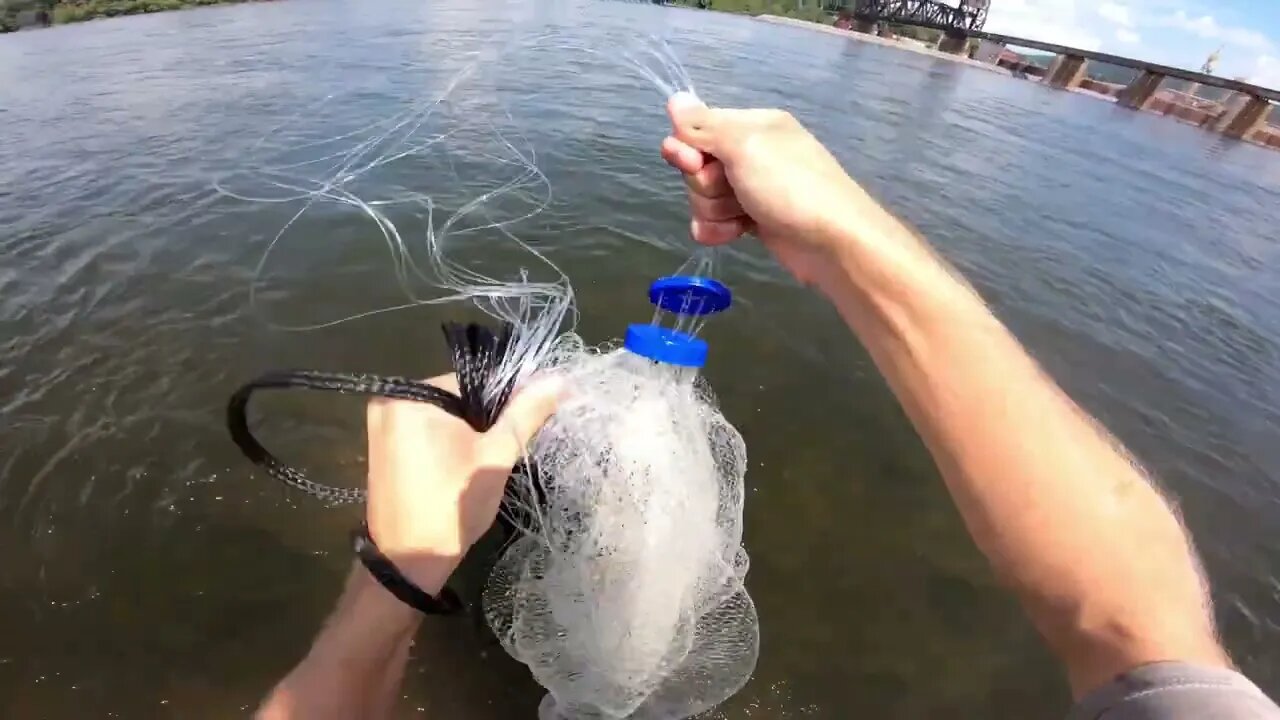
(622, 589)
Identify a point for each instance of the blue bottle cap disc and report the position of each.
(689, 295)
(664, 345)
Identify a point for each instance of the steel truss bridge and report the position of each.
(968, 15)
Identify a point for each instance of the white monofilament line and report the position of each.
(626, 590)
(623, 591)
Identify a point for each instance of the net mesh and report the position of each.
(624, 594)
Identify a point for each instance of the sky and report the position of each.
(1181, 33)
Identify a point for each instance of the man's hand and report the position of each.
(434, 488)
(760, 171)
(435, 484)
(1041, 486)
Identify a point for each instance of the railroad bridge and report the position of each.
(960, 20)
(947, 17)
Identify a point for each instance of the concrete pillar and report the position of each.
(1244, 116)
(1067, 72)
(864, 26)
(956, 44)
(1053, 67)
(1140, 92)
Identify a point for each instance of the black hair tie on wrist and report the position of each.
(390, 577)
(476, 351)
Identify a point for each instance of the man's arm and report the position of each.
(1064, 515)
(434, 488)
(355, 666)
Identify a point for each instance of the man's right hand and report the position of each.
(1040, 485)
(760, 171)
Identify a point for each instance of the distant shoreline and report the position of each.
(908, 46)
(31, 14)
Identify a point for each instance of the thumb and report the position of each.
(525, 414)
(692, 121)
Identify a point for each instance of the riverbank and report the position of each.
(27, 14)
(898, 43)
(1165, 105)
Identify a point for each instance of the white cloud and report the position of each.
(1206, 26)
(1058, 21)
(1266, 72)
(1116, 13)
(1164, 31)
(1128, 37)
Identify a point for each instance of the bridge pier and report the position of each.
(1066, 72)
(1244, 115)
(957, 44)
(1139, 93)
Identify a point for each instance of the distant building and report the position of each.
(996, 54)
(988, 52)
(1100, 87)
(992, 52)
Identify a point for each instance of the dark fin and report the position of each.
(477, 353)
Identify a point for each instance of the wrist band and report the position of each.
(390, 577)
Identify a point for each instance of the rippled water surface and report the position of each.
(149, 572)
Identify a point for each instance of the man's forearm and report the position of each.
(1063, 514)
(355, 666)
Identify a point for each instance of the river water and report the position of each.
(148, 570)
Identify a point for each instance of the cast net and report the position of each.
(622, 586)
(625, 595)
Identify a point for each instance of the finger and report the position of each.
(710, 181)
(725, 207)
(373, 414)
(525, 414)
(448, 381)
(685, 158)
(719, 232)
(693, 122)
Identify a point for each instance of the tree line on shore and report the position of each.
(16, 14)
(812, 10)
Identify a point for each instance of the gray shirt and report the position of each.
(1176, 691)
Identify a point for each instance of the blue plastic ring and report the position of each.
(689, 295)
(667, 346)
